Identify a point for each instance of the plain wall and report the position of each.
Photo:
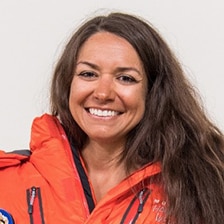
(32, 34)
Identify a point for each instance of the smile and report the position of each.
(103, 113)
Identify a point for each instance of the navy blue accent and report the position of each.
(23, 152)
(30, 207)
(84, 179)
(141, 206)
(32, 194)
(40, 205)
(128, 209)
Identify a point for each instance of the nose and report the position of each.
(104, 90)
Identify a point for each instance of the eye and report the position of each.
(87, 75)
(127, 79)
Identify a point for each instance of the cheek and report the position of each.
(77, 92)
(135, 99)
(74, 97)
(75, 100)
(141, 107)
(139, 98)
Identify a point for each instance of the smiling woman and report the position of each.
(126, 141)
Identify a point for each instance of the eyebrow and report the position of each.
(118, 69)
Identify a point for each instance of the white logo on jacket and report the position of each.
(159, 207)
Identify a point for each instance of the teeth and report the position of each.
(103, 113)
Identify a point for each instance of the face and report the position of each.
(107, 96)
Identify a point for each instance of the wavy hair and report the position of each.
(174, 130)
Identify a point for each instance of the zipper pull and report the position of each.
(32, 197)
(140, 197)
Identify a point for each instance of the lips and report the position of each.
(103, 113)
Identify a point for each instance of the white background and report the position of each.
(32, 34)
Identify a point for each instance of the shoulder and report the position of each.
(44, 129)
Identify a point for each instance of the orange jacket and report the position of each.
(45, 187)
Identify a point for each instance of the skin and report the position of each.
(107, 100)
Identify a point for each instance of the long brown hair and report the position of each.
(174, 130)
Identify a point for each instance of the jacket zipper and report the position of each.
(135, 207)
(35, 209)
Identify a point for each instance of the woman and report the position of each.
(127, 141)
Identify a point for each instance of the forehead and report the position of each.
(110, 46)
(106, 38)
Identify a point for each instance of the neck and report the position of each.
(102, 165)
(98, 156)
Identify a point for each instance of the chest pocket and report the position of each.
(35, 207)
